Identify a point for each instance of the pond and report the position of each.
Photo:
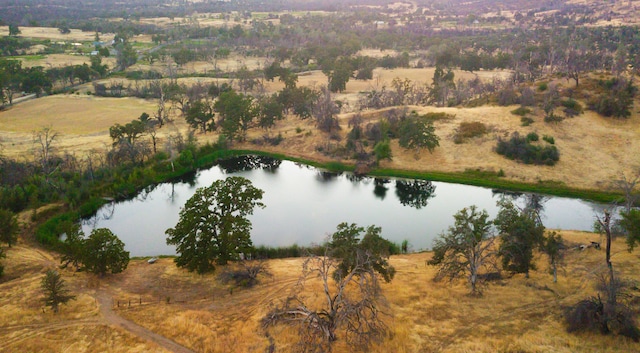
(304, 205)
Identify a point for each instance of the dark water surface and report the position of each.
(304, 205)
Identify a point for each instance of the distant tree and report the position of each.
(104, 252)
(325, 111)
(35, 80)
(64, 28)
(520, 234)
(200, 116)
(339, 75)
(8, 227)
(352, 307)
(345, 244)
(55, 291)
(44, 148)
(382, 150)
(213, 225)
(236, 112)
(269, 111)
(14, 30)
(465, 249)
(553, 247)
(125, 55)
(441, 87)
(96, 65)
(11, 74)
(417, 132)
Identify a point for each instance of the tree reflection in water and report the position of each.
(247, 163)
(380, 188)
(415, 193)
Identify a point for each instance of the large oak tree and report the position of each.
(213, 225)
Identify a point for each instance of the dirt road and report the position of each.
(105, 300)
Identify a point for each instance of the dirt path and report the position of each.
(105, 300)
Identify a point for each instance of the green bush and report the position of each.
(526, 121)
(549, 139)
(521, 111)
(532, 137)
(543, 86)
(520, 149)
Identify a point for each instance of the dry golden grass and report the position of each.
(514, 315)
(592, 149)
(54, 34)
(61, 60)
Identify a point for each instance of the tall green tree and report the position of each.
(631, 223)
(347, 246)
(200, 116)
(236, 113)
(55, 290)
(465, 249)
(8, 227)
(417, 132)
(520, 234)
(104, 252)
(213, 225)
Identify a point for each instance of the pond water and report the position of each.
(304, 205)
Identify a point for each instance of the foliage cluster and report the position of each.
(521, 149)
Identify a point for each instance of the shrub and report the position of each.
(246, 274)
(549, 139)
(468, 130)
(552, 118)
(616, 100)
(521, 111)
(520, 149)
(571, 107)
(532, 137)
(543, 86)
(526, 121)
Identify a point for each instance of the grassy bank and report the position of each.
(470, 177)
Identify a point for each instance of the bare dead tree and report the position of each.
(44, 147)
(628, 186)
(352, 306)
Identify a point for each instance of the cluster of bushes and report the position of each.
(616, 100)
(521, 149)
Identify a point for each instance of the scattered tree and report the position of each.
(345, 244)
(213, 225)
(465, 249)
(520, 234)
(417, 132)
(200, 116)
(553, 247)
(8, 227)
(103, 252)
(353, 307)
(55, 291)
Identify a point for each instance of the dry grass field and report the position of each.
(593, 149)
(514, 315)
(54, 34)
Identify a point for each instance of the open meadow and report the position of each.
(515, 314)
